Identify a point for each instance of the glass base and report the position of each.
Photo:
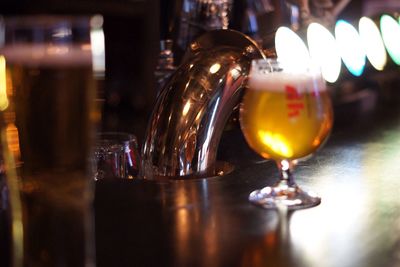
(286, 197)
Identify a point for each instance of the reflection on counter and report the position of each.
(195, 220)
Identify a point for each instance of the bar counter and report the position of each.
(209, 222)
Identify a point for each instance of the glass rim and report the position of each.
(107, 148)
(267, 60)
(272, 62)
(50, 20)
(277, 65)
(116, 136)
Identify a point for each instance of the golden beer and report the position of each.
(49, 128)
(285, 115)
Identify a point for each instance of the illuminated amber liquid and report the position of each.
(286, 120)
(48, 126)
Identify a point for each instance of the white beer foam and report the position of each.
(277, 81)
(48, 55)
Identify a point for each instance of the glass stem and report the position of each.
(285, 168)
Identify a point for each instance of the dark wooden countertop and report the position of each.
(209, 222)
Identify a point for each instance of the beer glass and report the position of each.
(116, 155)
(285, 115)
(47, 118)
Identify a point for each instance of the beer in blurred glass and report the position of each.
(48, 128)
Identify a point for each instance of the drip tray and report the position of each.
(222, 168)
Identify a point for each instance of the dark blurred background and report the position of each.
(133, 29)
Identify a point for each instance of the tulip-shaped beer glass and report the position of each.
(285, 115)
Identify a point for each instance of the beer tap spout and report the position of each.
(194, 105)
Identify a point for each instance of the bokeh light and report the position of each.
(390, 30)
(323, 51)
(350, 47)
(3, 84)
(291, 50)
(373, 43)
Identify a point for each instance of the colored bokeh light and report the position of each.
(390, 30)
(350, 47)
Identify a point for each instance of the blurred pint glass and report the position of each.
(47, 104)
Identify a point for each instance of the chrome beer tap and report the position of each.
(192, 109)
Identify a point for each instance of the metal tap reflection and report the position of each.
(196, 226)
(192, 109)
(275, 247)
(187, 212)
